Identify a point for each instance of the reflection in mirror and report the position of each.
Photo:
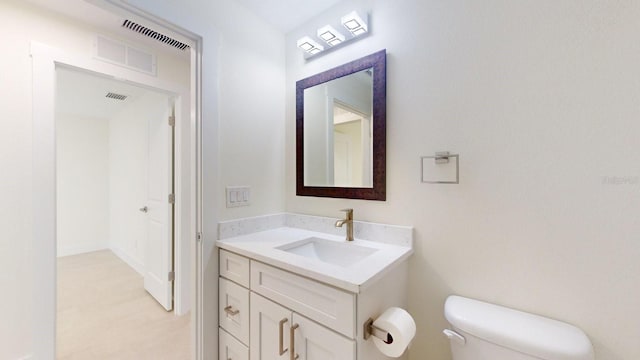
(337, 132)
(351, 147)
(341, 126)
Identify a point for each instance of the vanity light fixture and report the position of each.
(309, 46)
(355, 23)
(330, 35)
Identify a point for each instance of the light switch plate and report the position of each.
(238, 196)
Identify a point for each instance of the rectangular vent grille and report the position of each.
(116, 96)
(154, 35)
(119, 53)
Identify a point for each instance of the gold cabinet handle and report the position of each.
(292, 340)
(281, 336)
(229, 310)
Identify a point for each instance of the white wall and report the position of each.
(82, 161)
(25, 24)
(540, 99)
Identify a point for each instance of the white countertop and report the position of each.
(261, 246)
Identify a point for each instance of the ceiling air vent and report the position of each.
(154, 35)
(112, 95)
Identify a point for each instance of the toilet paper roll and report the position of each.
(402, 328)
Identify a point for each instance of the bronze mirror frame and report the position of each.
(377, 61)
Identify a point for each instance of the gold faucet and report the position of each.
(349, 221)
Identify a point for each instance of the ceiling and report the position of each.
(284, 15)
(287, 15)
(84, 94)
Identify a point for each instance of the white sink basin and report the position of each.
(333, 252)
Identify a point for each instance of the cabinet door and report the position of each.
(231, 348)
(315, 342)
(269, 325)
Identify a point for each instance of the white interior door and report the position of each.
(158, 275)
(342, 160)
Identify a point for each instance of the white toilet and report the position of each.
(483, 331)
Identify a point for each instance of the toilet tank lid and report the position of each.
(520, 331)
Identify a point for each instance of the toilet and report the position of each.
(483, 331)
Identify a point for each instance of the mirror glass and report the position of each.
(341, 122)
(337, 132)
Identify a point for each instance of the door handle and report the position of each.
(292, 340)
(144, 209)
(281, 336)
(229, 310)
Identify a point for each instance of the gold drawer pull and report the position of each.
(292, 340)
(229, 310)
(281, 336)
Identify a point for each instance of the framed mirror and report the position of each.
(341, 131)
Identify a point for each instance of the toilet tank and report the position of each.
(483, 331)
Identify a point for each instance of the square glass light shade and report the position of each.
(359, 31)
(352, 24)
(334, 42)
(307, 44)
(355, 23)
(330, 35)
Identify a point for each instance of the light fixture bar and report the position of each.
(353, 22)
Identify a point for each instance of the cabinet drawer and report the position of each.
(325, 304)
(234, 267)
(231, 348)
(234, 309)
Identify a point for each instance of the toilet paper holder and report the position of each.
(371, 330)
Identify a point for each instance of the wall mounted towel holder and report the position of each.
(441, 158)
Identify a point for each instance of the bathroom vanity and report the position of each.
(289, 293)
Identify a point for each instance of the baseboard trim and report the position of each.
(75, 250)
(137, 265)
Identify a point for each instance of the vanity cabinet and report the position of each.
(268, 313)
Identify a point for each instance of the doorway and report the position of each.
(115, 218)
(45, 62)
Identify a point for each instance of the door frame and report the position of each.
(45, 61)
